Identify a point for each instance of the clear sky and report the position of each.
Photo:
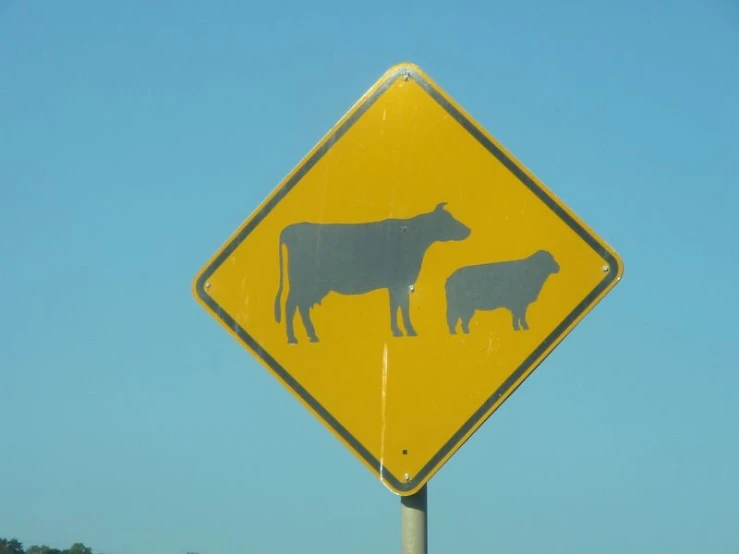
(136, 136)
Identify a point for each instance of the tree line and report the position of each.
(14, 546)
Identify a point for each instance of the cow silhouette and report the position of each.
(358, 258)
(513, 285)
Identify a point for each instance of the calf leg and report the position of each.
(466, 318)
(451, 319)
(305, 315)
(519, 318)
(522, 318)
(514, 314)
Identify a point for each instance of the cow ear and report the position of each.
(440, 206)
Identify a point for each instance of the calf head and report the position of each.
(545, 262)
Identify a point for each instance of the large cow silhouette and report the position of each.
(356, 259)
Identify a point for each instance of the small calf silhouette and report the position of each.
(356, 259)
(513, 285)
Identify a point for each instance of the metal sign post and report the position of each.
(414, 522)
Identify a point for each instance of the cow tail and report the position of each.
(278, 307)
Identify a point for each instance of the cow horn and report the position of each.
(440, 206)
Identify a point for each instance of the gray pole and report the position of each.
(413, 522)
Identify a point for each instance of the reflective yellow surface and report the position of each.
(403, 399)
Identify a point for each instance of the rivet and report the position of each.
(207, 285)
(407, 478)
(406, 76)
(606, 268)
(411, 288)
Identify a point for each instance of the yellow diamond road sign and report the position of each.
(406, 277)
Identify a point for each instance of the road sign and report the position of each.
(406, 277)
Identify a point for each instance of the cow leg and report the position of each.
(290, 306)
(305, 315)
(394, 314)
(404, 302)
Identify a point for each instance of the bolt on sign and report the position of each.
(406, 277)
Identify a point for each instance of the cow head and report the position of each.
(443, 227)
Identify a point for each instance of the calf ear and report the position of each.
(440, 206)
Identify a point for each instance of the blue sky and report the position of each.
(136, 136)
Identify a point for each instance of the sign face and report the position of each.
(406, 277)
